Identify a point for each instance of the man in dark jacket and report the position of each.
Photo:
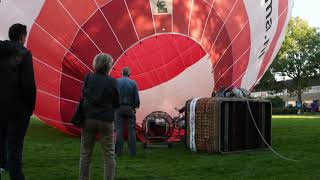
(17, 94)
(129, 101)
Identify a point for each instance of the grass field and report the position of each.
(50, 155)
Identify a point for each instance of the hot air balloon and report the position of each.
(177, 49)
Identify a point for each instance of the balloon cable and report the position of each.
(264, 140)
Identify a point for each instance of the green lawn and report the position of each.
(50, 155)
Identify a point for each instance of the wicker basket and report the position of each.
(206, 125)
(224, 125)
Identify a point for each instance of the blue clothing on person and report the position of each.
(129, 101)
(128, 91)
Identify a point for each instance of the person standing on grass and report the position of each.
(129, 101)
(100, 99)
(17, 97)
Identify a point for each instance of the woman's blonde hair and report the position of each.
(102, 63)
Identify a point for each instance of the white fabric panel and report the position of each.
(192, 125)
(257, 18)
(282, 36)
(196, 81)
(18, 11)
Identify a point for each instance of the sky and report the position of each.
(308, 10)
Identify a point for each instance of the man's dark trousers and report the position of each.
(3, 145)
(16, 130)
(119, 123)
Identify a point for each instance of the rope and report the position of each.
(264, 140)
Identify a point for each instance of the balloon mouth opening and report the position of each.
(158, 58)
(153, 61)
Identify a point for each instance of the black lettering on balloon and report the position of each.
(268, 26)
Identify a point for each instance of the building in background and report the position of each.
(309, 96)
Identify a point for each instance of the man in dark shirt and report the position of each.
(17, 94)
(129, 101)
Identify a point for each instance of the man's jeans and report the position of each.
(120, 121)
(16, 131)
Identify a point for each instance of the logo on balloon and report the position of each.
(160, 7)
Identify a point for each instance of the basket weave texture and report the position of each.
(206, 125)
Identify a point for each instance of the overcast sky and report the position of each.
(308, 10)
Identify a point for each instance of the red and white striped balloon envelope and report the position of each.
(176, 49)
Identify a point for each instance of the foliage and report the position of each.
(269, 83)
(276, 102)
(299, 56)
(284, 111)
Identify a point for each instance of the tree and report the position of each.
(269, 83)
(299, 56)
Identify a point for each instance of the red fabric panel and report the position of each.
(200, 12)
(236, 70)
(140, 56)
(223, 7)
(192, 54)
(103, 2)
(43, 102)
(54, 19)
(169, 52)
(67, 110)
(119, 19)
(126, 60)
(145, 64)
(241, 43)
(237, 82)
(143, 82)
(84, 49)
(163, 23)
(46, 78)
(162, 74)
(159, 58)
(70, 88)
(241, 66)
(174, 67)
(284, 11)
(73, 67)
(211, 31)
(220, 46)
(100, 33)
(80, 10)
(40, 39)
(55, 124)
(141, 15)
(237, 20)
(239, 31)
(225, 63)
(209, 1)
(181, 13)
(154, 49)
(162, 52)
(240, 46)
